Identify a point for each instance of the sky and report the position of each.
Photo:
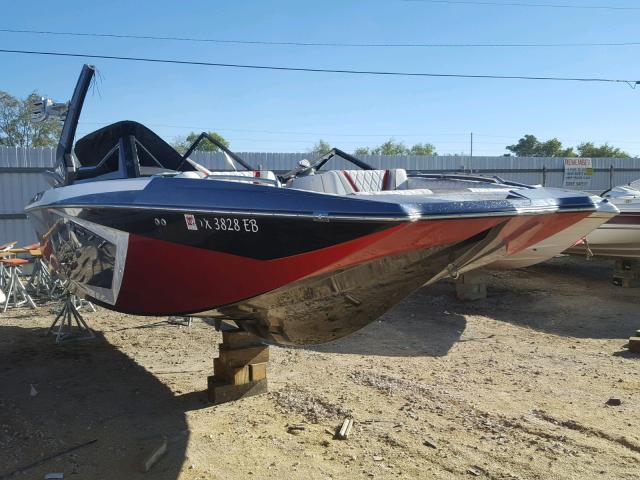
(279, 111)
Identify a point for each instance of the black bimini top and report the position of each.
(98, 153)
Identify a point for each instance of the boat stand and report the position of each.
(627, 273)
(69, 315)
(241, 368)
(80, 303)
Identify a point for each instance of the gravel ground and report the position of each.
(511, 387)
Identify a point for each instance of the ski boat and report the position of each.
(620, 236)
(140, 229)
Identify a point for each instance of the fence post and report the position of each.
(611, 177)
(544, 175)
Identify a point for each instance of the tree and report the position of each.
(182, 144)
(423, 149)
(390, 147)
(16, 127)
(319, 149)
(589, 149)
(530, 146)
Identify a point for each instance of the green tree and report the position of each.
(16, 127)
(319, 149)
(530, 146)
(182, 144)
(362, 151)
(589, 149)
(423, 149)
(390, 147)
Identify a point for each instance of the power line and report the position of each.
(324, 44)
(631, 83)
(430, 137)
(526, 4)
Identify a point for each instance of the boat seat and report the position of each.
(375, 180)
(345, 182)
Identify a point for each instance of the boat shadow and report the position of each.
(53, 398)
(566, 296)
(421, 325)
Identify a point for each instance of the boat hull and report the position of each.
(315, 281)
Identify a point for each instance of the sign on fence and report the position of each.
(577, 172)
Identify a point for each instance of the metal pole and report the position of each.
(472, 144)
(611, 177)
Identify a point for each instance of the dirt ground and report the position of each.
(511, 387)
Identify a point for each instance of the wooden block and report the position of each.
(221, 392)
(626, 282)
(240, 375)
(257, 371)
(240, 357)
(629, 274)
(220, 368)
(470, 287)
(345, 429)
(234, 376)
(634, 344)
(627, 264)
(240, 339)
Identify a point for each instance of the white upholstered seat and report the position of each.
(375, 180)
(345, 182)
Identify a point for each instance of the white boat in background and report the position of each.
(620, 236)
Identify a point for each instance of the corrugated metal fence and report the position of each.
(21, 174)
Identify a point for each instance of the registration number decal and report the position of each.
(222, 224)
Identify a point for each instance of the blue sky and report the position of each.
(289, 111)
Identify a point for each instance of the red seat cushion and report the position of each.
(14, 261)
